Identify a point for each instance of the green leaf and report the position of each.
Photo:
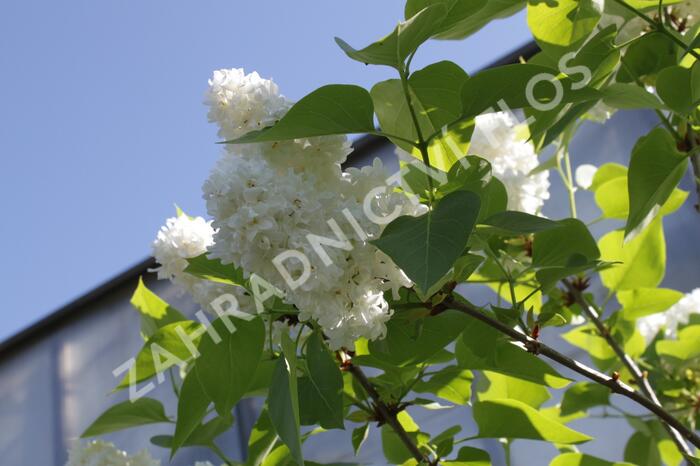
(191, 409)
(641, 449)
(393, 49)
(282, 400)
(685, 347)
(580, 459)
(426, 247)
(473, 173)
(651, 445)
(155, 312)
(495, 386)
(584, 395)
(451, 383)
(484, 348)
(515, 419)
(647, 56)
(507, 83)
(435, 94)
(643, 259)
(558, 246)
(203, 435)
(470, 456)
(213, 270)
(600, 58)
(641, 302)
(562, 25)
(127, 414)
(331, 109)
(466, 17)
(630, 96)
(607, 172)
(359, 436)
(613, 199)
(226, 367)
(519, 223)
(680, 88)
(262, 439)
(325, 384)
(411, 341)
(656, 168)
(392, 446)
(166, 343)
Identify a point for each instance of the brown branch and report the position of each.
(615, 385)
(387, 416)
(639, 376)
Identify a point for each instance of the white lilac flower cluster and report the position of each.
(181, 238)
(267, 198)
(669, 320)
(496, 139)
(100, 453)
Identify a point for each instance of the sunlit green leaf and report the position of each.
(127, 414)
(514, 419)
(155, 312)
(562, 24)
(642, 260)
(331, 109)
(393, 49)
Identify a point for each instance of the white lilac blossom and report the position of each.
(671, 319)
(266, 199)
(99, 453)
(495, 139)
(181, 238)
(584, 175)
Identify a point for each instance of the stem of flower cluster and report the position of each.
(642, 381)
(538, 348)
(386, 415)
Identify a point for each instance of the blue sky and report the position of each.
(103, 128)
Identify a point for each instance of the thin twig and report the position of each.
(639, 376)
(615, 385)
(387, 416)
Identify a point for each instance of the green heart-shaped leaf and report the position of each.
(426, 247)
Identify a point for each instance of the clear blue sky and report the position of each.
(102, 126)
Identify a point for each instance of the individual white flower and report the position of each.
(584, 175)
(512, 159)
(669, 320)
(181, 238)
(99, 453)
